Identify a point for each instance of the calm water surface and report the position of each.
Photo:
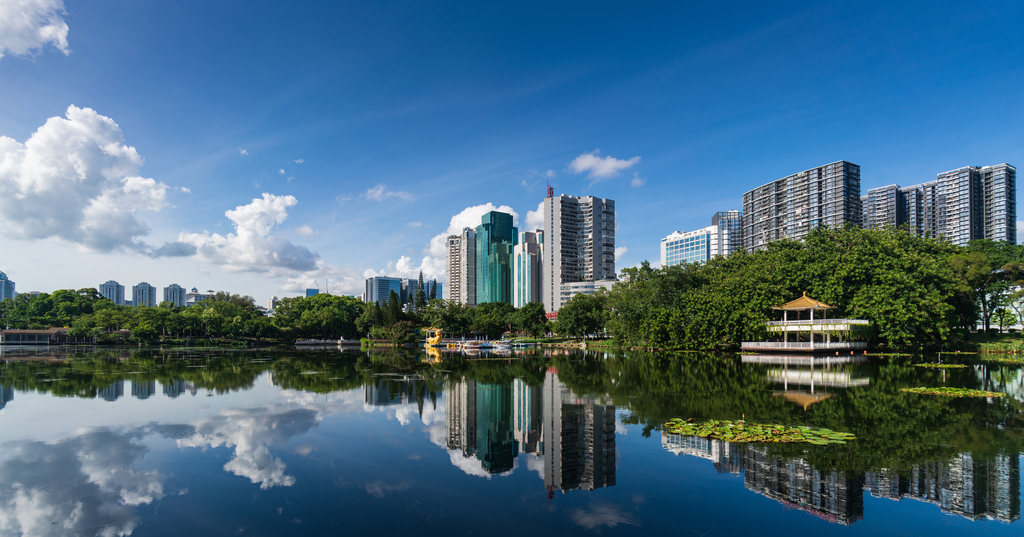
(194, 442)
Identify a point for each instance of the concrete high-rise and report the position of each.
(495, 239)
(461, 286)
(144, 294)
(579, 244)
(527, 268)
(113, 292)
(6, 287)
(960, 205)
(791, 207)
(175, 294)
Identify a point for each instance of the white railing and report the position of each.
(819, 321)
(804, 345)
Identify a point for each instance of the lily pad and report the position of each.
(741, 431)
(953, 392)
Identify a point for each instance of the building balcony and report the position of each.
(818, 325)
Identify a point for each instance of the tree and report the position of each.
(421, 293)
(1004, 318)
(400, 333)
(531, 319)
(583, 314)
(394, 312)
(433, 290)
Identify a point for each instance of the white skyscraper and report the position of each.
(527, 265)
(144, 294)
(579, 244)
(175, 294)
(113, 292)
(462, 260)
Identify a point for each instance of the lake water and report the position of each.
(197, 442)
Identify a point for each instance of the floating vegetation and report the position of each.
(953, 392)
(886, 354)
(1004, 359)
(741, 431)
(942, 366)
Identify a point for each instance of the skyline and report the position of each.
(368, 133)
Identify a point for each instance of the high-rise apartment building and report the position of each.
(791, 207)
(960, 205)
(113, 292)
(721, 238)
(495, 239)
(175, 294)
(378, 289)
(6, 287)
(527, 265)
(579, 439)
(461, 286)
(579, 244)
(144, 294)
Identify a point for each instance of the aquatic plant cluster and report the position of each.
(941, 366)
(741, 431)
(953, 392)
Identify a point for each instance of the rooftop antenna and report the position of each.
(551, 191)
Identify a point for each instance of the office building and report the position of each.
(175, 294)
(791, 207)
(410, 286)
(272, 304)
(579, 244)
(312, 292)
(194, 297)
(579, 439)
(461, 286)
(495, 239)
(960, 205)
(113, 292)
(569, 290)
(6, 287)
(528, 416)
(721, 238)
(527, 265)
(144, 294)
(378, 289)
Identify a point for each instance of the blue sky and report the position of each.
(367, 130)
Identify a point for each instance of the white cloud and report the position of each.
(1020, 227)
(99, 486)
(378, 488)
(637, 181)
(380, 193)
(184, 190)
(535, 219)
(290, 179)
(414, 224)
(299, 160)
(76, 179)
(243, 152)
(252, 247)
(281, 171)
(342, 198)
(602, 514)
(599, 168)
(468, 217)
(26, 26)
(619, 252)
(305, 231)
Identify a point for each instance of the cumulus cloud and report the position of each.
(305, 231)
(637, 181)
(252, 247)
(619, 252)
(299, 160)
(250, 432)
(184, 190)
(381, 193)
(243, 152)
(281, 171)
(98, 490)
(76, 179)
(175, 249)
(600, 168)
(26, 26)
(468, 217)
(535, 219)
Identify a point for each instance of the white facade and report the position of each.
(194, 297)
(461, 286)
(579, 237)
(144, 294)
(569, 290)
(527, 268)
(113, 292)
(175, 294)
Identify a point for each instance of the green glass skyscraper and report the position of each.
(495, 239)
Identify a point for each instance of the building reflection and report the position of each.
(143, 389)
(399, 390)
(496, 422)
(806, 380)
(6, 395)
(963, 485)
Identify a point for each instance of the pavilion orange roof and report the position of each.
(804, 303)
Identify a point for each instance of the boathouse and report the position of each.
(49, 336)
(805, 327)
